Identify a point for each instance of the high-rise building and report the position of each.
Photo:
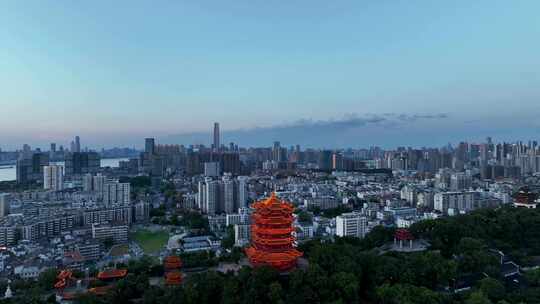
(77, 144)
(229, 162)
(325, 160)
(455, 202)
(53, 177)
(5, 202)
(52, 152)
(243, 197)
(337, 162)
(78, 163)
(87, 182)
(98, 183)
(94, 183)
(115, 193)
(212, 196)
(276, 152)
(201, 196)
(30, 167)
(460, 181)
(212, 169)
(149, 145)
(230, 194)
(217, 144)
(27, 151)
(242, 234)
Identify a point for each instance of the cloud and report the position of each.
(346, 131)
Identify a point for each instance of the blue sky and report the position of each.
(117, 71)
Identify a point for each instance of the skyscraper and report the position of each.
(30, 167)
(77, 144)
(230, 194)
(216, 136)
(81, 163)
(243, 198)
(53, 177)
(212, 197)
(149, 145)
(5, 199)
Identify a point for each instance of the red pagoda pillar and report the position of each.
(272, 242)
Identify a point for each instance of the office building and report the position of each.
(79, 163)
(115, 193)
(89, 250)
(456, 202)
(93, 183)
(322, 202)
(77, 144)
(213, 197)
(217, 144)
(7, 235)
(30, 167)
(230, 194)
(212, 169)
(243, 196)
(325, 160)
(45, 227)
(116, 214)
(53, 177)
(351, 224)
(5, 202)
(460, 181)
(149, 146)
(242, 235)
(141, 211)
(117, 234)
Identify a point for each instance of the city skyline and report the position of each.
(295, 134)
(263, 70)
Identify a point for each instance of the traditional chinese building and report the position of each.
(403, 235)
(272, 242)
(172, 265)
(524, 198)
(112, 274)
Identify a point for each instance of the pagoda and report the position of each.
(172, 265)
(272, 242)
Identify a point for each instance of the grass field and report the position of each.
(119, 250)
(150, 242)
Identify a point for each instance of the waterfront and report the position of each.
(9, 172)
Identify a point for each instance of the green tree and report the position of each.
(533, 277)
(477, 297)
(228, 240)
(492, 288)
(47, 279)
(305, 217)
(275, 293)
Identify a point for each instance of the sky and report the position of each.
(318, 73)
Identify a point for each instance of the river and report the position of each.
(9, 172)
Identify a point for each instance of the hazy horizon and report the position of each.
(347, 74)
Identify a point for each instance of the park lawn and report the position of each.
(150, 242)
(119, 250)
